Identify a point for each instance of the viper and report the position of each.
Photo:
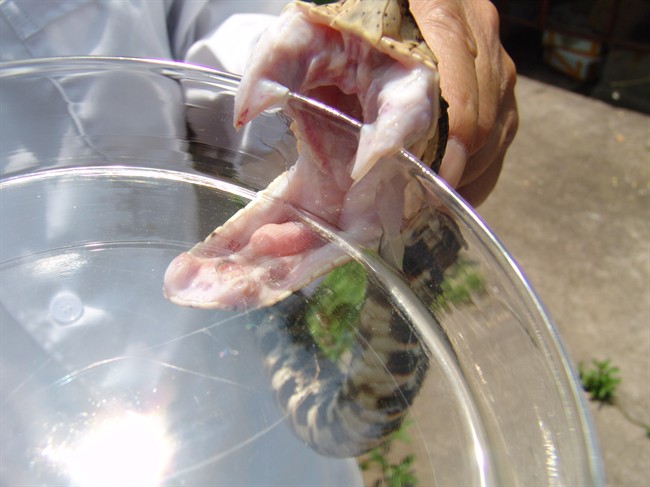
(368, 60)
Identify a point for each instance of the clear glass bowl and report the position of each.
(110, 168)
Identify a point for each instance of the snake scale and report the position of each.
(345, 409)
(368, 60)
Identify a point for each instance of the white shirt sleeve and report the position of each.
(217, 33)
(197, 31)
(230, 45)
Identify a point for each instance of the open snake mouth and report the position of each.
(267, 251)
(396, 98)
(262, 254)
(332, 96)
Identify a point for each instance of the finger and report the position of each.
(490, 68)
(502, 133)
(445, 29)
(454, 162)
(485, 166)
(477, 191)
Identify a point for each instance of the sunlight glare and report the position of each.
(129, 450)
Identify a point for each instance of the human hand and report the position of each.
(477, 79)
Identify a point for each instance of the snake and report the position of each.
(348, 407)
(369, 61)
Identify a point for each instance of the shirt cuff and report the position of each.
(231, 44)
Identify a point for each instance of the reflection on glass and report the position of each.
(129, 449)
(134, 165)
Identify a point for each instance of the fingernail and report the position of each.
(453, 162)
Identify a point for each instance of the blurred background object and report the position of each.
(598, 48)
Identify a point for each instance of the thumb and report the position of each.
(446, 31)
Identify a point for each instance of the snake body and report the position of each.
(370, 60)
(345, 409)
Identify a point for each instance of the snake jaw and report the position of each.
(337, 182)
(404, 116)
(298, 54)
(270, 249)
(266, 95)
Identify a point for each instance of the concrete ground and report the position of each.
(573, 208)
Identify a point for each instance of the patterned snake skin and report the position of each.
(371, 52)
(346, 409)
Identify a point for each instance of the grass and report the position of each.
(600, 381)
(334, 309)
(462, 280)
(331, 317)
(391, 474)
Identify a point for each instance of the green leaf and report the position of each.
(461, 281)
(334, 309)
(600, 381)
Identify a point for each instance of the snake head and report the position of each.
(377, 73)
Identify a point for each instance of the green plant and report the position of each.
(600, 381)
(334, 309)
(461, 281)
(391, 474)
(331, 315)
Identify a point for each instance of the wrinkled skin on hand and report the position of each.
(477, 78)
